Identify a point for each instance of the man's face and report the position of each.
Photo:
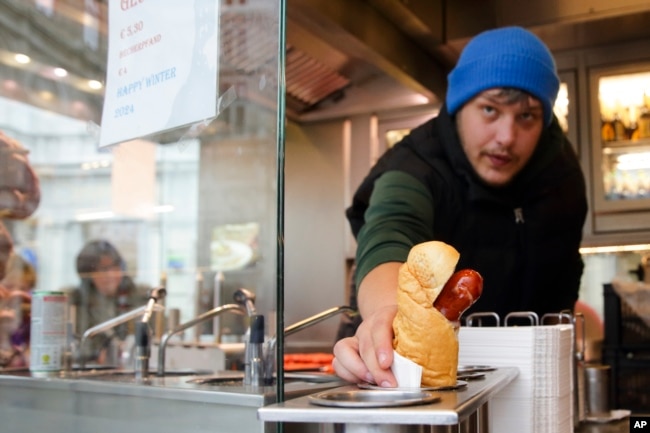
(499, 135)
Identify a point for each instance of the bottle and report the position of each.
(633, 131)
(620, 132)
(644, 123)
(607, 131)
(48, 330)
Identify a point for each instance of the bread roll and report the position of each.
(422, 333)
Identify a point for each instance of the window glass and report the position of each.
(193, 208)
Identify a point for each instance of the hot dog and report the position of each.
(459, 293)
(422, 333)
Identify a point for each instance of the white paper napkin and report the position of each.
(407, 372)
(540, 400)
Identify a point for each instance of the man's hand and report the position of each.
(368, 355)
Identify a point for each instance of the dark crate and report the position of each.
(630, 380)
(623, 328)
(626, 350)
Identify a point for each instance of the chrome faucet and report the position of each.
(317, 318)
(254, 352)
(245, 303)
(269, 352)
(183, 326)
(112, 323)
(143, 334)
(247, 299)
(155, 295)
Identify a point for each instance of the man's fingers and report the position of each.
(347, 362)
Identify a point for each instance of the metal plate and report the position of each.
(474, 368)
(315, 377)
(358, 398)
(459, 384)
(470, 376)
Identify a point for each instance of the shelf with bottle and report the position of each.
(624, 109)
(626, 173)
(631, 145)
(625, 135)
(618, 132)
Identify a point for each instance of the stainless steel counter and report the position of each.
(110, 401)
(453, 407)
(113, 401)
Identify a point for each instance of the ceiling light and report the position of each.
(614, 249)
(163, 208)
(92, 216)
(22, 59)
(46, 95)
(60, 72)
(95, 85)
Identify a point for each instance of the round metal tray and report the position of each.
(459, 385)
(470, 376)
(358, 398)
(474, 368)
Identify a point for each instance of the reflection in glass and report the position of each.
(210, 223)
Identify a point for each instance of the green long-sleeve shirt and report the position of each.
(399, 216)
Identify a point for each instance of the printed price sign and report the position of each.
(162, 66)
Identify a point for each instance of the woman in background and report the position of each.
(106, 291)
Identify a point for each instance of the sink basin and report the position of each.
(171, 372)
(102, 371)
(312, 376)
(76, 370)
(129, 377)
(236, 378)
(75, 367)
(93, 367)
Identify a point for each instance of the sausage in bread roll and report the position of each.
(426, 334)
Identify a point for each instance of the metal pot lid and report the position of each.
(459, 384)
(361, 398)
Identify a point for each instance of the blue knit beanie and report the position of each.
(504, 57)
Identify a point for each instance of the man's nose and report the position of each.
(506, 131)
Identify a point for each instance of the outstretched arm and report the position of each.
(368, 355)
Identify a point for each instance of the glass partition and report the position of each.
(194, 207)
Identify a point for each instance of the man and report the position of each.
(494, 176)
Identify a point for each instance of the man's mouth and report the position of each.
(498, 160)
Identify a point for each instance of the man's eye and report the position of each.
(528, 116)
(488, 109)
